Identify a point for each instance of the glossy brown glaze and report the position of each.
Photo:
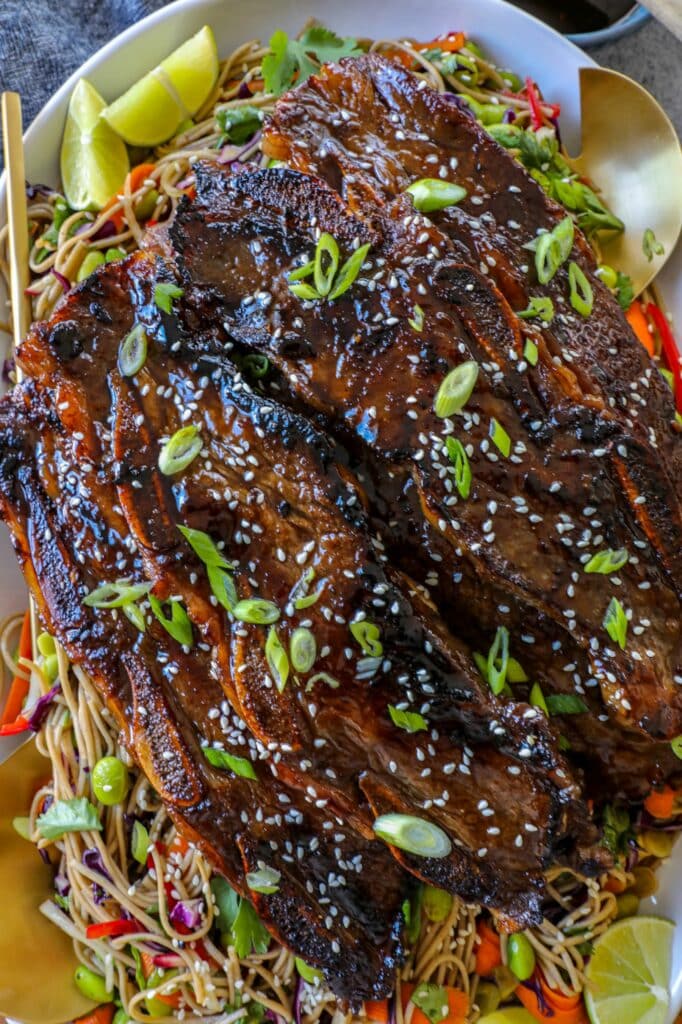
(81, 490)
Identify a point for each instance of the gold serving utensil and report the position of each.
(632, 152)
(37, 960)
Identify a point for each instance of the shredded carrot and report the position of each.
(399, 57)
(555, 1006)
(148, 967)
(377, 1010)
(488, 953)
(117, 218)
(255, 85)
(660, 802)
(614, 885)
(103, 1014)
(450, 43)
(19, 687)
(134, 180)
(458, 1005)
(179, 845)
(635, 317)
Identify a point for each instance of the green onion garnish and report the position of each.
(164, 293)
(139, 842)
(304, 291)
(500, 438)
(537, 698)
(651, 246)
(676, 745)
(349, 271)
(582, 296)
(256, 611)
(430, 194)
(322, 677)
(278, 661)
(368, 636)
(255, 365)
(181, 449)
(222, 587)
(530, 352)
(607, 561)
(135, 615)
(616, 622)
(204, 548)
(416, 322)
(538, 306)
(116, 595)
(456, 389)
(326, 263)
(460, 463)
(266, 880)
(302, 272)
(432, 1000)
(565, 704)
(132, 354)
(228, 762)
(552, 249)
(498, 653)
(302, 649)
(410, 721)
(178, 625)
(413, 835)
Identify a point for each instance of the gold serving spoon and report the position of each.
(37, 960)
(631, 151)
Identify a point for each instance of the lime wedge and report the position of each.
(152, 110)
(628, 977)
(94, 161)
(508, 1015)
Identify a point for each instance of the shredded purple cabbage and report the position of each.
(105, 230)
(534, 985)
(8, 367)
(38, 190)
(298, 993)
(64, 281)
(92, 859)
(62, 886)
(509, 116)
(41, 708)
(187, 913)
(244, 92)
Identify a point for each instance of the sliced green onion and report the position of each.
(204, 548)
(650, 245)
(417, 320)
(538, 306)
(326, 252)
(537, 698)
(429, 194)
(302, 272)
(552, 249)
(22, 826)
(135, 615)
(616, 622)
(530, 352)
(181, 449)
(607, 561)
(413, 835)
(499, 652)
(139, 842)
(266, 880)
(229, 762)
(460, 463)
(515, 672)
(607, 275)
(410, 721)
(322, 677)
(304, 291)
(309, 974)
(368, 636)
(255, 365)
(277, 659)
(164, 293)
(302, 649)
(565, 704)
(676, 745)
(582, 296)
(256, 611)
(115, 595)
(500, 438)
(349, 271)
(301, 603)
(132, 354)
(456, 389)
(222, 587)
(46, 644)
(178, 625)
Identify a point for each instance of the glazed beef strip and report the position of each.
(359, 363)
(266, 485)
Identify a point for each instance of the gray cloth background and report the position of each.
(43, 41)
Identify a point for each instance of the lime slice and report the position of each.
(153, 109)
(94, 161)
(508, 1015)
(628, 977)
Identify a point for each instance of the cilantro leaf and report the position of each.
(248, 934)
(432, 1000)
(226, 903)
(229, 762)
(75, 815)
(565, 704)
(238, 124)
(616, 829)
(410, 721)
(304, 56)
(625, 293)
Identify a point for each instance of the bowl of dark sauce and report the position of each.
(588, 22)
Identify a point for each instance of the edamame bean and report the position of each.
(110, 781)
(91, 985)
(520, 956)
(92, 260)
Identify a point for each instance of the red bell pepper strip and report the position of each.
(111, 929)
(536, 118)
(19, 688)
(670, 350)
(19, 725)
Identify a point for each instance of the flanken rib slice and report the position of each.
(536, 511)
(327, 755)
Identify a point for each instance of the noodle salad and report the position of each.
(157, 934)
